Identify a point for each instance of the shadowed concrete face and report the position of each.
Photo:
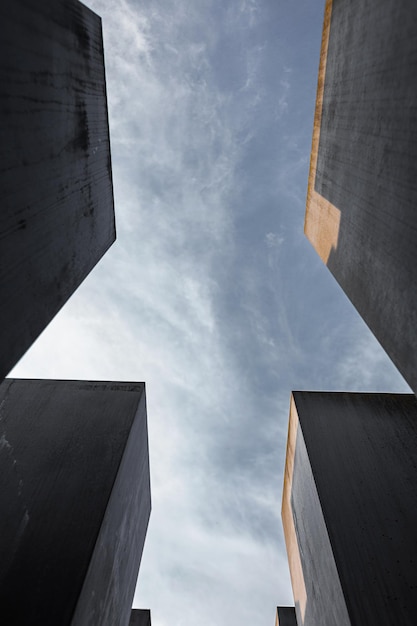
(362, 194)
(354, 508)
(57, 215)
(140, 617)
(286, 616)
(75, 500)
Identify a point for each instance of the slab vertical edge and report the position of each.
(294, 559)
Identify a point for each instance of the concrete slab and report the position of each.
(57, 214)
(75, 500)
(286, 616)
(140, 617)
(362, 191)
(349, 508)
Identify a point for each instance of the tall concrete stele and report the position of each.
(349, 508)
(75, 500)
(74, 461)
(362, 190)
(285, 616)
(140, 617)
(57, 213)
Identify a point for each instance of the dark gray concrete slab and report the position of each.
(140, 617)
(57, 214)
(361, 452)
(286, 616)
(367, 166)
(75, 500)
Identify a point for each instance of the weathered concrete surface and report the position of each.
(359, 452)
(367, 168)
(57, 214)
(140, 617)
(75, 500)
(285, 616)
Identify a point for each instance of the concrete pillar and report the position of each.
(75, 500)
(285, 616)
(362, 191)
(349, 508)
(57, 214)
(140, 617)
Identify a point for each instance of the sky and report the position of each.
(212, 295)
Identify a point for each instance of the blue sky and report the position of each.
(212, 295)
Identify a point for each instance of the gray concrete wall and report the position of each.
(367, 166)
(75, 500)
(57, 215)
(361, 450)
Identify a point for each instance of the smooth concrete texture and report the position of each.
(75, 500)
(140, 617)
(57, 214)
(285, 616)
(359, 452)
(367, 167)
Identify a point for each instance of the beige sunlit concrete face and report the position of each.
(294, 559)
(322, 219)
